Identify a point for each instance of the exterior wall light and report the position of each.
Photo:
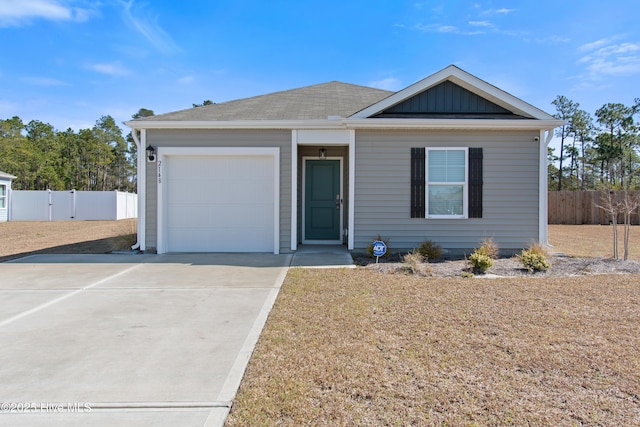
(322, 153)
(151, 154)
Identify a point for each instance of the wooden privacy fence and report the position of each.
(580, 207)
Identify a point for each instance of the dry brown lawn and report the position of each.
(592, 240)
(21, 238)
(357, 347)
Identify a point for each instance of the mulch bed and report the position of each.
(505, 267)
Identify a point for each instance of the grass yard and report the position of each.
(592, 240)
(357, 347)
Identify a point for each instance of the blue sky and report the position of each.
(68, 62)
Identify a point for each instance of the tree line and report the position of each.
(601, 152)
(43, 158)
(596, 153)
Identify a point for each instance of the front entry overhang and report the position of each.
(342, 137)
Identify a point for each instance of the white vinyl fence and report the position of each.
(47, 205)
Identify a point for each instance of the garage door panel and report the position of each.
(220, 239)
(219, 203)
(205, 215)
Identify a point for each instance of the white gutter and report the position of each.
(141, 186)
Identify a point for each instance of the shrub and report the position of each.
(489, 248)
(480, 261)
(534, 258)
(370, 246)
(414, 262)
(430, 250)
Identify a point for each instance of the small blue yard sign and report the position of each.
(379, 249)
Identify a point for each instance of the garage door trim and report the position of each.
(163, 152)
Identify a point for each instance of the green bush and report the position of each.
(370, 246)
(480, 261)
(489, 248)
(534, 260)
(430, 250)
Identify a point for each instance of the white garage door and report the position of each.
(219, 203)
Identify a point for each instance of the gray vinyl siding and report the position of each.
(221, 138)
(510, 190)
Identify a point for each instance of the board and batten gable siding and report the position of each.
(220, 138)
(383, 185)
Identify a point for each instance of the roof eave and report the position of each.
(234, 124)
(475, 124)
(354, 123)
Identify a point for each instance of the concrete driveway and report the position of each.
(130, 340)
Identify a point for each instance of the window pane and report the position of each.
(446, 165)
(445, 199)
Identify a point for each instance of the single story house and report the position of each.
(5, 189)
(451, 159)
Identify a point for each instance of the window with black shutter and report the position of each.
(439, 182)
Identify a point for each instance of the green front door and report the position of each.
(322, 200)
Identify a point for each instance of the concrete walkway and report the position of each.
(322, 256)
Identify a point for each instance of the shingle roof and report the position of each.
(305, 103)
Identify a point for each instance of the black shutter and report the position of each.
(475, 182)
(417, 183)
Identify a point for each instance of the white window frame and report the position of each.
(465, 184)
(3, 196)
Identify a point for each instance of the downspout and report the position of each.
(141, 186)
(543, 213)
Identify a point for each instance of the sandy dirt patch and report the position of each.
(22, 238)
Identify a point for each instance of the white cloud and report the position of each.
(445, 29)
(605, 59)
(19, 12)
(148, 27)
(390, 83)
(493, 12)
(486, 24)
(596, 44)
(114, 69)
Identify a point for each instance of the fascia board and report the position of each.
(405, 93)
(465, 80)
(500, 97)
(353, 123)
(452, 124)
(236, 124)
